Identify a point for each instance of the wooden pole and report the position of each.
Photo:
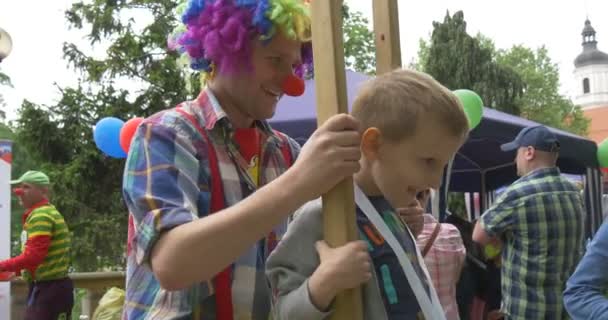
(386, 31)
(339, 224)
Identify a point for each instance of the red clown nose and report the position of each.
(18, 192)
(293, 86)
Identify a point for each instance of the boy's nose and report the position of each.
(18, 192)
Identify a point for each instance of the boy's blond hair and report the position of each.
(393, 102)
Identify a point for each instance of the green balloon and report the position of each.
(472, 104)
(602, 154)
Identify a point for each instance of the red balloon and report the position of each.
(293, 86)
(127, 132)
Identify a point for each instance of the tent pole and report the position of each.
(386, 31)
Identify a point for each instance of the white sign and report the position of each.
(5, 222)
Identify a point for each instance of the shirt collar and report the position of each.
(214, 115)
(429, 219)
(542, 172)
(29, 210)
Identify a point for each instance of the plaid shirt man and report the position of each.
(167, 183)
(540, 220)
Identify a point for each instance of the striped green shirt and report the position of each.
(47, 221)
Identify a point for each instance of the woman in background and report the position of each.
(444, 253)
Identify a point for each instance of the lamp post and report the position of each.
(6, 44)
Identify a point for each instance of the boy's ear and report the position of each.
(371, 140)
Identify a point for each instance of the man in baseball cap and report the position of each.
(539, 220)
(45, 251)
(538, 146)
(539, 137)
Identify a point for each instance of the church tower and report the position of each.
(591, 74)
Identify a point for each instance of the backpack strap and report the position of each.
(223, 291)
(429, 243)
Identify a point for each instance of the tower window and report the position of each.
(586, 85)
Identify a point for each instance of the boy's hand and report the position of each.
(413, 217)
(341, 268)
(331, 154)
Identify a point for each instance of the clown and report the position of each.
(208, 184)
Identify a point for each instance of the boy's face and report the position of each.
(403, 169)
(256, 92)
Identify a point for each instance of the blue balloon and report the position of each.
(107, 137)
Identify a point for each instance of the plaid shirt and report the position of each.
(444, 262)
(540, 220)
(167, 183)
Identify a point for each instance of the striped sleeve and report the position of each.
(33, 255)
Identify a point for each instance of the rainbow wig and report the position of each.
(215, 35)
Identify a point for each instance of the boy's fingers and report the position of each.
(341, 122)
(321, 247)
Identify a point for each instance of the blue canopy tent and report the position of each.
(479, 166)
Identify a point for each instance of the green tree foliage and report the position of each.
(458, 60)
(519, 81)
(135, 77)
(5, 131)
(541, 100)
(359, 46)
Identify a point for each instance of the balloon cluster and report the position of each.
(472, 104)
(113, 136)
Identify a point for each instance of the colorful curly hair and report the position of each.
(215, 34)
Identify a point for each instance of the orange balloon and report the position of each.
(127, 132)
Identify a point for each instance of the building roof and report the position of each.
(591, 55)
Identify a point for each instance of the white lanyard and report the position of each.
(432, 310)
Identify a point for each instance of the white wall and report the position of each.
(5, 226)
(598, 85)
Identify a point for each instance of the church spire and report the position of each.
(588, 34)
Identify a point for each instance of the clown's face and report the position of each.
(30, 194)
(253, 94)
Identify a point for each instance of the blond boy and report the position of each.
(411, 127)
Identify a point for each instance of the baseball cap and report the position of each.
(33, 177)
(539, 137)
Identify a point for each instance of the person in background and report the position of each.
(585, 294)
(444, 253)
(539, 221)
(45, 252)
